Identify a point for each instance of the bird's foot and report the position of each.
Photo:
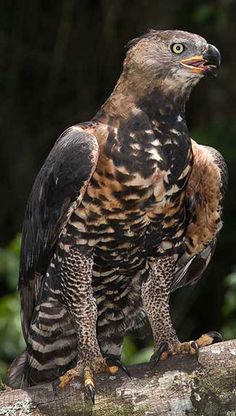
(167, 349)
(110, 364)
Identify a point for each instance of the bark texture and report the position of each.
(183, 385)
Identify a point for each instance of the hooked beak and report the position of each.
(207, 64)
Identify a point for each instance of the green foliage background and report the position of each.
(58, 63)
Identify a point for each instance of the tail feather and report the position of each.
(51, 341)
(51, 347)
(16, 371)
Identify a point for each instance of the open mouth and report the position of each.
(208, 63)
(198, 64)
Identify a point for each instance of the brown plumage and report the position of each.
(206, 187)
(125, 209)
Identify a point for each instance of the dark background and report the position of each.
(59, 60)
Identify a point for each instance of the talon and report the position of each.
(89, 384)
(195, 346)
(55, 385)
(112, 361)
(163, 348)
(91, 391)
(217, 337)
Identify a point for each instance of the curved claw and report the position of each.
(55, 385)
(217, 337)
(91, 391)
(110, 361)
(194, 345)
(163, 347)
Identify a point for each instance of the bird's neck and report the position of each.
(159, 101)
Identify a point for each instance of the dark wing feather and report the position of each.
(58, 189)
(204, 199)
(190, 269)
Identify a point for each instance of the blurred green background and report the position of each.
(59, 60)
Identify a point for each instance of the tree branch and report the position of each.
(182, 385)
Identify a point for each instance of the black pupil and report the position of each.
(178, 47)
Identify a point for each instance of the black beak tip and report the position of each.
(213, 58)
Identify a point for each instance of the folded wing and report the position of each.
(204, 199)
(57, 191)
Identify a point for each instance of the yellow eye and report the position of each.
(177, 48)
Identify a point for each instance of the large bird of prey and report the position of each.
(125, 210)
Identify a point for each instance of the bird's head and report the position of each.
(173, 59)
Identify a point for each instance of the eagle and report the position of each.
(126, 209)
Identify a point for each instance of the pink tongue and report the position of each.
(196, 63)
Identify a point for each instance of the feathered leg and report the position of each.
(155, 295)
(77, 293)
